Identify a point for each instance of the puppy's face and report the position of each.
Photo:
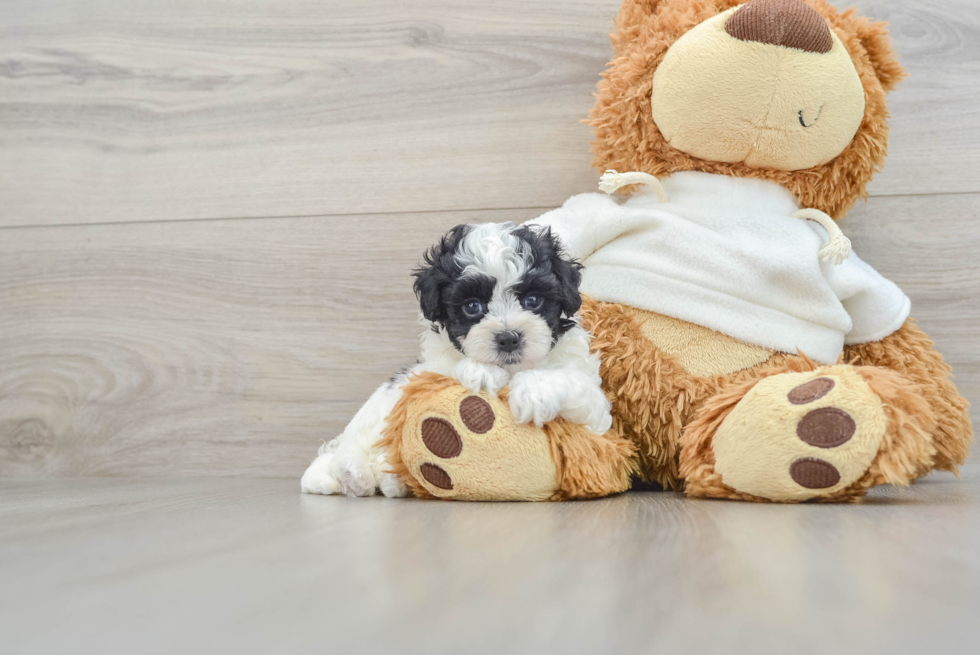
(503, 294)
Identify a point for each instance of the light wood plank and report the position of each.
(927, 245)
(149, 110)
(233, 347)
(215, 347)
(935, 120)
(251, 566)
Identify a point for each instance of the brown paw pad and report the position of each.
(436, 476)
(827, 427)
(814, 473)
(441, 438)
(477, 415)
(811, 391)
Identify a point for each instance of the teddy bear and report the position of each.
(747, 351)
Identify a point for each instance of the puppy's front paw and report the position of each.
(599, 421)
(393, 486)
(534, 398)
(353, 475)
(476, 377)
(587, 405)
(317, 479)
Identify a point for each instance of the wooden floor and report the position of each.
(251, 566)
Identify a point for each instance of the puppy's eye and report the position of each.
(472, 308)
(532, 303)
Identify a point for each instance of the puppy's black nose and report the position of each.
(508, 342)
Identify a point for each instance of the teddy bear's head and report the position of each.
(791, 91)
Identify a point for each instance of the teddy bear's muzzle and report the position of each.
(767, 84)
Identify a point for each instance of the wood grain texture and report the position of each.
(212, 347)
(251, 566)
(935, 118)
(233, 347)
(149, 110)
(241, 108)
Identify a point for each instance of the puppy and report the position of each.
(498, 305)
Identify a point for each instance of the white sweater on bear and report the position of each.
(725, 253)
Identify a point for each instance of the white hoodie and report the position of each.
(725, 253)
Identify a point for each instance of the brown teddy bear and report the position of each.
(748, 353)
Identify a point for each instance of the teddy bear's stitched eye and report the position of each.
(808, 119)
(472, 308)
(533, 303)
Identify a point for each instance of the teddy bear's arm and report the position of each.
(911, 352)
(876, 305)
(587, 222)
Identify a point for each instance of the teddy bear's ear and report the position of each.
(632, 14)
(633, 11)
(635, 20)
(874, 37)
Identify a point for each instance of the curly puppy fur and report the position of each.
(627, 139)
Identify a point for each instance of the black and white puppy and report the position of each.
(498, 304)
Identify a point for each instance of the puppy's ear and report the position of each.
(567, 271)
(437, 270)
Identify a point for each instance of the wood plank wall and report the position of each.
(209, 210)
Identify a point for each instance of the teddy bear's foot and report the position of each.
(445, 442)
(827, 434)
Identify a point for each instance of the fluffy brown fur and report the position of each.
(911, 352)
(589, 465)
(653, 397)
(627, 139)
(907, 451)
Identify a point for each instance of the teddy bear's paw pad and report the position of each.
(814, 473)
(810, 391)
(468, 447)
(827, 427)
(441, 438)
(476, 414)
(436, 476)
(797, 436)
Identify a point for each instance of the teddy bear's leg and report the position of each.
(910, 352)
(652, 395)
(445, 442)
(827, 434)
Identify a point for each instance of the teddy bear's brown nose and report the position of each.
(790, 23)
